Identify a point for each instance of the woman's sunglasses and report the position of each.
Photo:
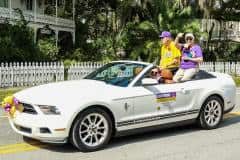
(189, 39)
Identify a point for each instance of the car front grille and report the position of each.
(28, 108)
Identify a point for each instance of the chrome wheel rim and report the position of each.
(213, 112)
(93, 129)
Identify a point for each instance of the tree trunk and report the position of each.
(107, 20)
(210, 32)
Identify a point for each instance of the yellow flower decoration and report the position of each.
(12, 111)
(8, 100)
(11, 105)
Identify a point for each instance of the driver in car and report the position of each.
(156, 74)
(162, 76)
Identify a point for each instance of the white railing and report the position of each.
(40, 18)
(30, 74)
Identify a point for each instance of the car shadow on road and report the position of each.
(151, 135)
(119, 141)
(228, 121)
(164, 133)
(135, 138)
(64, 148)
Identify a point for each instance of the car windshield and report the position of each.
(118, 73)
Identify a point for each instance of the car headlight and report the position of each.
(50, 110)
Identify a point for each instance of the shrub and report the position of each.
(48, 49)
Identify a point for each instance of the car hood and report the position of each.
(67, 92)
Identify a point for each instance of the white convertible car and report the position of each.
(115, 100)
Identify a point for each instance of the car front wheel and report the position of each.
(91, 130)
(211, 113)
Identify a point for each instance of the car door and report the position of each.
(190, 92)
(159, 104)
(176, 97)
(160, 99)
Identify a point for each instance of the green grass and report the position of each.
(237, 81)
(8, 91)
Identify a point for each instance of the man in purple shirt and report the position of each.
(191, 57)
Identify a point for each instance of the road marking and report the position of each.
(18, 150)
(235, 113)
(21, 147)
(231, 115)
(11, 146)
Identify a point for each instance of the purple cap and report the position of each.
(165, 34)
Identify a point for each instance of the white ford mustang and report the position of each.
(115, 100)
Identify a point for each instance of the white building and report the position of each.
(230, 30)
(34, 12)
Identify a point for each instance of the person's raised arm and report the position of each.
(176, 41)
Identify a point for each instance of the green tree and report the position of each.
(153, 17)
(16, 41)
(48, 49)
(134, 25)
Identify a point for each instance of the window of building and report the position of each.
(29, 5)
(4, 3)
(61, 2)
(53, 2)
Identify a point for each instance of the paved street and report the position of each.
(188, 143)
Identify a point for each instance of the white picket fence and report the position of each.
(30, 74)
(35, 73)
(81, 69)
(232, 68)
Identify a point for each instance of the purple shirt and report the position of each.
(196, 49)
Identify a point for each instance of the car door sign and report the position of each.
(165, 97)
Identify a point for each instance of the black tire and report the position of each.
(207, 115)
(76, 137)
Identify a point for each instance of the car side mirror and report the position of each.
(149, 81)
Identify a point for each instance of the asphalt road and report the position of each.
(186, 142)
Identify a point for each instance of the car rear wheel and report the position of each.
(211, 113)
(91, 130)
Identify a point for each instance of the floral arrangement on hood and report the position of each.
(11, 105)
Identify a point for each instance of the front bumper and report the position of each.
(46, 128)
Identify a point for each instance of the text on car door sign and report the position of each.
(165, 97)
